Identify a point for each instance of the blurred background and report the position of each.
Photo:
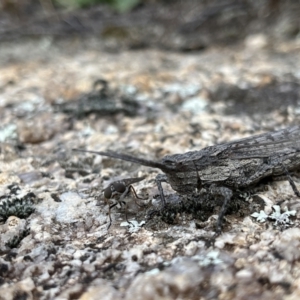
(181, 25)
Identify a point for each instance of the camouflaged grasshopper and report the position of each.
(224, 168)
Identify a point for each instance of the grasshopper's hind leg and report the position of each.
(290, 180)
(226, 194)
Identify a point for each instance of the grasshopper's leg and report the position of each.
(268, 170)
(159, 179)
(263, 171)
(291, 181)
(226, 193)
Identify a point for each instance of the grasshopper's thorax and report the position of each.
(183, 182)
(182, 174)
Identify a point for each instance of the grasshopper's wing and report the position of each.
(264, 145)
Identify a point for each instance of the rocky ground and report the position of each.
(59, 94)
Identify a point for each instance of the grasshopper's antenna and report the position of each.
(137, 160)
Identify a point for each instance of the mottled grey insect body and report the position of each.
(226, 167)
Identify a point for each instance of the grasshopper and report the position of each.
(227, 167)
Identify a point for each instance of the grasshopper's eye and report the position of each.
(169, 162)
(119, 187)
(107, 193)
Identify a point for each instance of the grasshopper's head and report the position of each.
(178, 163)
(182, 174)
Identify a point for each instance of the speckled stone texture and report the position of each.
(54, 242)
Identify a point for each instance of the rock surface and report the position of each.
(57, 246)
